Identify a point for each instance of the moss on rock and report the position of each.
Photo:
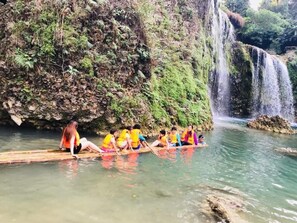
(105, 63)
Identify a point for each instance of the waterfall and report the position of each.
(271, 86)
(272, 90)
(223, 34)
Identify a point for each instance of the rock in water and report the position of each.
(287, 151)
(16, 119)
(273, 124)
(226, 208)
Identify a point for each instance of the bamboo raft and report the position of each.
(39, 156)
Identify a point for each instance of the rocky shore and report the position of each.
(275, 124)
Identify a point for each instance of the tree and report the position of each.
(277, 6)
(288, 10)
(238, 6)
(262, 28)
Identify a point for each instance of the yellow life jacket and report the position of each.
(66, 143)
(123, 136)
(107, 144)
(135, 137)
(173, 138)
(163, 140)
(191, 138)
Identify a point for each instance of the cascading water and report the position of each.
(223, 34)
(272, 90)
(271, 86)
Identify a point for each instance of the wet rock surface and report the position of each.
(223, 204)
(287, 151)
(275, 124)
(226, 209)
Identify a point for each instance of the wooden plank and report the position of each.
(33, 156)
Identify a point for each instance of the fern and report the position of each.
(23, 60)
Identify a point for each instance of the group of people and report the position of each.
(173, 138)
(127, 138)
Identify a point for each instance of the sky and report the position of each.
(255, 4)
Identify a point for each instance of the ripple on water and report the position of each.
(171, 188)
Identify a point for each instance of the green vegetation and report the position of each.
(177, 91)
(272, 27)
(23, 60)
(87, 64)
(238, 6)
(109, 60)
(263, 28)
(292, 68)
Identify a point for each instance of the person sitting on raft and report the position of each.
(174, 137)
(189, 137)
(162, 140)
(124, 140)
(137, 139)
(72, 143)
(201, 140)
(109, 142)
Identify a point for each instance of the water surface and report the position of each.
(145, 188)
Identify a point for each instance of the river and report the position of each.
(146, 188)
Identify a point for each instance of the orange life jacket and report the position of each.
(188, 137)
(66, 143)
(183, 136)
(163, 140)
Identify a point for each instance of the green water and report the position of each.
(145, 188)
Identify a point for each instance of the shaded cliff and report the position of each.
(105, 63)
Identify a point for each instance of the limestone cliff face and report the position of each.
(105, 63)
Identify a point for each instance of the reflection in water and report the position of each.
(168, 188)
(70, 167)
(168, 154)
(107, 162)
(127, 164)
(187, 155)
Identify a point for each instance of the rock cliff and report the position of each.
(105, 63)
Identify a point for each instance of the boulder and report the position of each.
(287, 151)
(16, 119)
(226, 208)
(275, 124)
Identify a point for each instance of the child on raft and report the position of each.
(162, 140)
(137, 139)
(201, 140)
(124, 140)
(174, 138)
(109, 142)
(72, 142)
(189, 137)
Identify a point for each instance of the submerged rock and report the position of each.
(272, 124)
(226, 208)
(287, 151)
(222, 204)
